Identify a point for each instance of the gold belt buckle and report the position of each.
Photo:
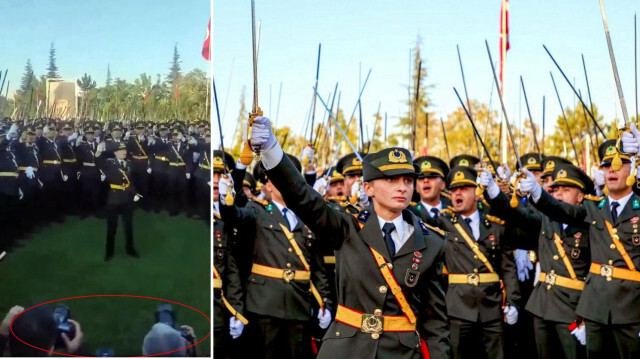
(473, 279)
(288, 275)
(372, 324)
(606, 271)
(550, 279)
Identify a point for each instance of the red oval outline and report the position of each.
(110, 295)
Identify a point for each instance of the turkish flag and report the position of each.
(206, 49)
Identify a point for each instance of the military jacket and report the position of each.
(613, 301)
(138, 154)
(265, 239)
(86, 154)
(550, 302)
(226, 266)
(51, 160)
(8, 171)
(360, 284)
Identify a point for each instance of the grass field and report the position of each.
(67, 260)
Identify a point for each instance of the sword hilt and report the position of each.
(246, 156)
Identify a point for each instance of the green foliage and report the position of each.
(175, 72)
(52, 69)
(29, 80)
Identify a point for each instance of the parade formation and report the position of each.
(399, 253)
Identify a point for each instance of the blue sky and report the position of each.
(378, 34)
(132, 36)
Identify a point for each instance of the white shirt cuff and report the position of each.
(239, 165)
(272, 156)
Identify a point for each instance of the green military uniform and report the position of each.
(610, 301)
(431, 166)
(370, 322)
(474, 296)
(564, 257)
(281, 288)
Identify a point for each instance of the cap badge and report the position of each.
(562, 174)
(464, 162)
(397, 156)
(531, 161)
(458, 176)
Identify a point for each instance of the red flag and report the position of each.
(206, 50)
(504, 38)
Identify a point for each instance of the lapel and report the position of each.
(416, 242)
(484, 231)
(627, 211)
(466, 227)
(605, 210)
(371, 234)
(279, 218)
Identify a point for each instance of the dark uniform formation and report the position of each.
(479, 264)
(51, 168)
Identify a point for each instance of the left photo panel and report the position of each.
(104, 178)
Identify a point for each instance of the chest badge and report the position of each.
(636, 239)
(269, 207)
(635, 204)
(575, 253)
(411, 278)
(634, 220)
(578, 235)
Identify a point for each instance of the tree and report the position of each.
(175, 73)
(29, 80)
(52, 69)
(86, 84)
(108, 82)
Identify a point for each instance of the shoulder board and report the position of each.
(448, 211)
(413, 203)
(591, 197)
(260, 201)
(425, 229)
(494, 219)
(339, 199)
(350, 208)
(484, 201)
(445, 195)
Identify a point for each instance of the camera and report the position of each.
(61, 315)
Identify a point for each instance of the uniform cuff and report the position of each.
(272, 156)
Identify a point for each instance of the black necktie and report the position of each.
(386, 231)
(284, 214)
(435, 212)
(468, 220)
(614, 211)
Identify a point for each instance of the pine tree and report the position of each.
(175, 72)
(108, 75)
(52, 69)
(28, 79)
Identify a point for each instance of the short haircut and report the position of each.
(36, 327)
(162, 339)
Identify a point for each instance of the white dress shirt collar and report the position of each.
(291, 217)
(622, 201)
(475, 224)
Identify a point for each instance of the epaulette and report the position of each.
(591, 197)
(260, 201)
(350, 208)
(425, 229)
(338, 199)
(413, 203)
(361, 217)
(445, 195)
(495, 219)
(449, 210)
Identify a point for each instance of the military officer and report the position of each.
(90, 176)
(160, 147)
(202, 175)
(549, 164)
(430, 185)
(609, 302)
(51, 175)
(179, 172)
(122, 194)
(564, 258)
(10, 192)
(28, 158)
(390, 292)
(350, 167)
(137, 153)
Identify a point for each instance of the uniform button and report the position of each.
(455, 239)
(553, 271)
(612, 246)
(610, 262)
(337, 334)
(219, 244)
(271, 226)
(555, 258)
(375, 336)
(543, 232)
(594, 222)
(377, 312)
(548, 287)
(614, 231)
(290, 250)
(475, 270)
(390, 265)
(288, 265)
(475, 256)
(309, 236)
(382, 289)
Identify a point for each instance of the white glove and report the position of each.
(235, 327)
(320, 185)
(136, 198)
(78, 175)
(324, 318)
(307, 151)
(239, 165)
(523, 264)
(580, 334)
(102, 177)
(72, 137)
(149, 170)
(636, 135)
(486, 180)
(31, 174)
(127, 135)
(101, 147)
(530, 185)
(192, 141)
(141, 138)
(512, 314)
(196, 156)
(151, 141)
(597, 175)
(223, 186)
(261, 135)
(45, 130)
(65, 178)
(503, 171)
(188, 175)
(13, 132)
(78, 141)
(20, 193)
(537, 277)
(363, 199)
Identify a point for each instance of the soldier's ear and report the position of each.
(369, 188)
(443, 185)
(580, 197)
